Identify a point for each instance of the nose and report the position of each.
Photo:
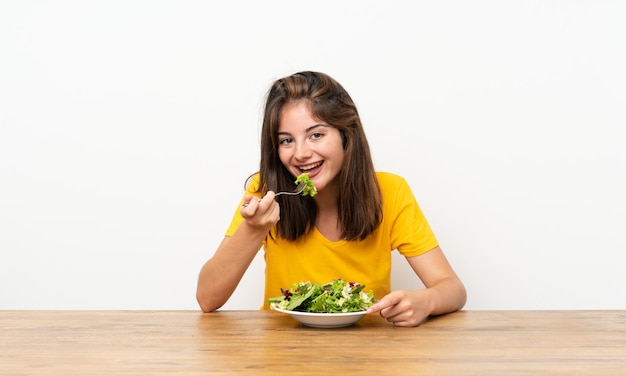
(302, 151)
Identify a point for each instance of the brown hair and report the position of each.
(359, 201)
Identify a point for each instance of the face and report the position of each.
(309, 145)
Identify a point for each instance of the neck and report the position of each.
(327, 218)
(326, 200)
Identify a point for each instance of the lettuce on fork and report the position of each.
(309, 189)
(337, 296)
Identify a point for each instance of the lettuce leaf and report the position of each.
(309, 189)
(336, 296)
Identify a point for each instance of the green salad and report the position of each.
(309, 189)
(337, 296)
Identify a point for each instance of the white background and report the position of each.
(127, 129)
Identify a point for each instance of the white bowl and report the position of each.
(324, 320)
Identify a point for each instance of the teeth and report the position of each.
(311, 166)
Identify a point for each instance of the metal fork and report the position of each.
(299, 189)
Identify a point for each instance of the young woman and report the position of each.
(347, 230)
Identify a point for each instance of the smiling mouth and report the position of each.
(310, 166)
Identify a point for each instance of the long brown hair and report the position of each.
(359, 201)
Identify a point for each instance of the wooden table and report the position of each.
(272, 343)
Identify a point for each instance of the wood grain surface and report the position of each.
(272, 343)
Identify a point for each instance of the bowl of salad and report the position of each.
(333, 305)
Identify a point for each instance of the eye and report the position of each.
(285, 141)
(317, 135)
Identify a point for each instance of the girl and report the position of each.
(347, 230)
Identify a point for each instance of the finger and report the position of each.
(269, 196)
(386, 302)
(248, 198)
(249, 207)
(402, 323)
(245, 204)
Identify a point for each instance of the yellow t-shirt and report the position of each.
(318, 260)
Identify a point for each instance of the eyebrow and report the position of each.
(312, 127)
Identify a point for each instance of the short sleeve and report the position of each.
(237, 218)
(410, 232)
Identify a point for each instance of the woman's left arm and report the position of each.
(444, 292)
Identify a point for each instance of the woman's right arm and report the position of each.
(221, 274)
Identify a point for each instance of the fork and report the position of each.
(299, 189)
